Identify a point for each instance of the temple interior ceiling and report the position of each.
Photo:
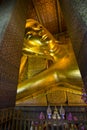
(66, 89)
(48, 13)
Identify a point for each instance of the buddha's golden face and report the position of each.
(37, 39)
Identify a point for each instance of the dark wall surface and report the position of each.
(12, 27)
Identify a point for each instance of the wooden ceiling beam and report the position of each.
(58, 15)
(37, 12)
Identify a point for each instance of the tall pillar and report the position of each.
(75, 14)
(12, 27)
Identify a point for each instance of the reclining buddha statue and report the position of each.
(46, 63)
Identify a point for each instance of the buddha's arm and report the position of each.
(45, 80)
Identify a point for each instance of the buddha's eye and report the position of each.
(37, 27)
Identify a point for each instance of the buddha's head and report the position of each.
(38, 40)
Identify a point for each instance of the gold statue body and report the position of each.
(39, 43)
